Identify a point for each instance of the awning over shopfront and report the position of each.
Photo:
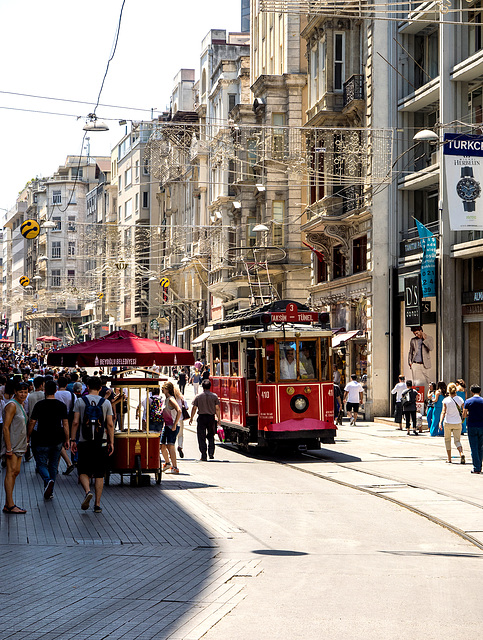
(201, 338)
(339, 338)
(86, 324)
(187, 328)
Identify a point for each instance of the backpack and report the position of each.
(156, 409)
(93, 421)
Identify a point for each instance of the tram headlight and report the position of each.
(299, 403)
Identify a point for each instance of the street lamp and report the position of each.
(426, 135)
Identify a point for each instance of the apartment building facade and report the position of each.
(440, 88)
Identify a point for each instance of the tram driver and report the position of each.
(288, 364)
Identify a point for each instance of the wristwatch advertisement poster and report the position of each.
(463, 167)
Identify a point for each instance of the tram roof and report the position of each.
(289, 331)
(256, 316)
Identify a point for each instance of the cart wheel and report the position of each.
(158, 477)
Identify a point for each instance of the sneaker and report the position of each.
(166, 466)
(49, 489)
(463, 460)
(97, 509)
(86, 501)
(351, 421)
(175, 470)
(180, 452)
(69, 470)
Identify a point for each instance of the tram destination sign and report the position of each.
(292, 314)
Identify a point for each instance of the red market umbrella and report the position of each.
(5, 341)
(120, 349)
(49, 339)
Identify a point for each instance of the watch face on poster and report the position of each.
(468, 189)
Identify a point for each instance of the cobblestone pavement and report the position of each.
(147, 567)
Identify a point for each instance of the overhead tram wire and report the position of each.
(116, 39)
(110, 106)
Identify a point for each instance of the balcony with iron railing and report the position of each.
(353, 89)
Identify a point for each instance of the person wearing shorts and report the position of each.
(93, 454)
(353, 394)
(171, 417)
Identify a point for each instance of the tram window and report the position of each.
(288, 361)
(225, 364)
(324, 358)
(251, 359)
(270, 361)
(234, 358)
(216, 359)
(308, 359)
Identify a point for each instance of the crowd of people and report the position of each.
(449, 413)
(52, 414)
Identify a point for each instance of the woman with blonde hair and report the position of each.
(171, 418)
(451, 417)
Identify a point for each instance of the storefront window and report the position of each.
(251, 359)
(324, 359)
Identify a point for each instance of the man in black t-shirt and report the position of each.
(51, 434)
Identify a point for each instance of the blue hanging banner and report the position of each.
(428, 265)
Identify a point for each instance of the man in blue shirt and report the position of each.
(473, 412)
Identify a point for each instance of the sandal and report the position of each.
(11, 509)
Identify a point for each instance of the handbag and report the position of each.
(185, 413)
(460, 410)
(407, 403)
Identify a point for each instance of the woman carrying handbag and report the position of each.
(451, 417)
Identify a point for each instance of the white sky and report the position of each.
(60, 48)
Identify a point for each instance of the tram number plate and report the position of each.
(265, 394)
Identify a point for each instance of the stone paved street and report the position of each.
(244, 546)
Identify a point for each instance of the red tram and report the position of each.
(271, 368)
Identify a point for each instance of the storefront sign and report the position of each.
(463, 161)
(412, 301)
(472, 296)
(472, 309)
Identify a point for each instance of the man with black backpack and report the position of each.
(93, 415)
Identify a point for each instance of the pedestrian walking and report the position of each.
(338, 408)
(51, 435)
(155, 410)
(398, 390)
(451, 418)
(353, 394)
(409, 407)
(430, 397)
(473, 412)
(171, 418)
(184, 414)
(14, 444)
(441, 392)
(93, 420)
(461, 391)
(195, 381)
(207, 404)
(182, 379)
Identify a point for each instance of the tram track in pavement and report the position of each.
(395, 483)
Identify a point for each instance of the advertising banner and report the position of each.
(463, 162)
(428, 265)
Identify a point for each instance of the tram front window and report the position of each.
(308, 358)
(288, 362)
